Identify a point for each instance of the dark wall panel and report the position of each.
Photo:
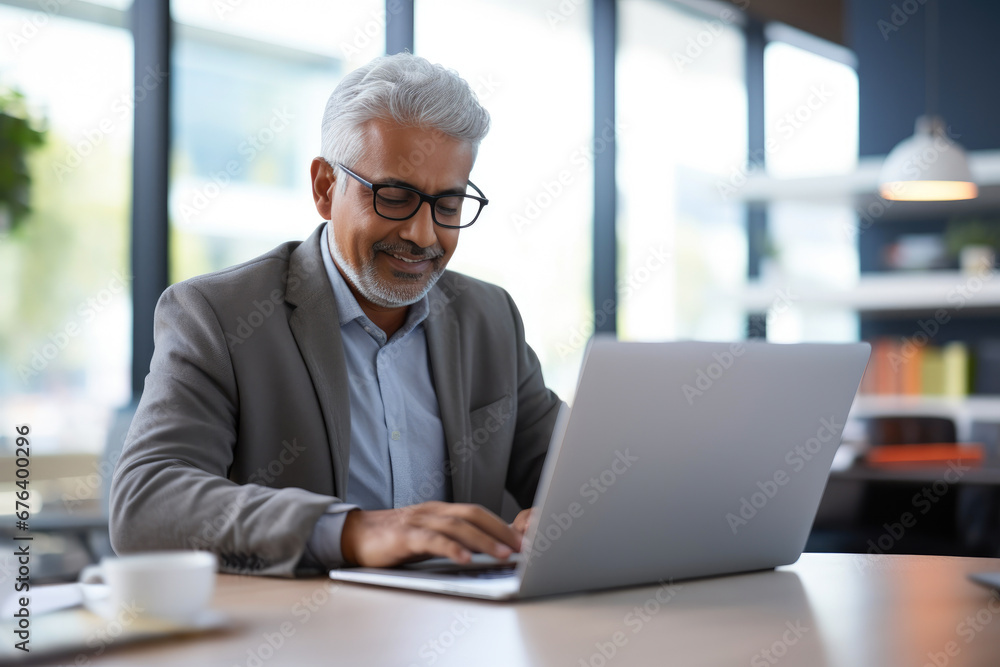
(889, 43)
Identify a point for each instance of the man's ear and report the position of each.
(323, 181)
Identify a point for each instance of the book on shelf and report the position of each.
(956, 369)
(924, 454)
(900, 367)
(932, 372)
(987, 380)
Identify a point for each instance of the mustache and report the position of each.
(409, 248)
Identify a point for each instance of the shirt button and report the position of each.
(395, 435)
(368, 329)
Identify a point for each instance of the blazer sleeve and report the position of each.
(537, 409)
(170, 488)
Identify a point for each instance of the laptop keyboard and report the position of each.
(483, 572)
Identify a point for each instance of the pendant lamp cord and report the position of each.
(931, 49)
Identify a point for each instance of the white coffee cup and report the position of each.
(173, 585)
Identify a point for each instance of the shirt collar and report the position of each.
(347, 305)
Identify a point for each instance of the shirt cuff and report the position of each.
(323, 547)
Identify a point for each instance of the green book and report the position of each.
(932, 372)
(956, 369)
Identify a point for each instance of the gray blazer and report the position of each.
(242, 437)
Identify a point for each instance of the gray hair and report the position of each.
(407, 90)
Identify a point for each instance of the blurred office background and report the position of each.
(661, 169)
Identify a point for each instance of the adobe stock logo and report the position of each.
(246, 326)
(592, 490)
(796, 458)
(705, 378)
(88, 311)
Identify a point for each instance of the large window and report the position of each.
(682, 116)
(531, 64)
(65, 288)
(811, 130)
(248, 101)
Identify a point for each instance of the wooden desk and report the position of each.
(959, 473)
(826, 610)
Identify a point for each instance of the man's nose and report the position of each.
(420, 228)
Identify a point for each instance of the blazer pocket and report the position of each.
(492, 429)
(488, 450)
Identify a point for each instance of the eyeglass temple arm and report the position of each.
(481, 195)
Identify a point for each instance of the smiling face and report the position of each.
(391, 264)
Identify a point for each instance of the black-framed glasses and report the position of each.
(399, 202)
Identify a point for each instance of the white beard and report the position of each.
(369, 285)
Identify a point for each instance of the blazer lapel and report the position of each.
(315, 324)
(444, 350)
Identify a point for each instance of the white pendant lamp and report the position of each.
(928, 166)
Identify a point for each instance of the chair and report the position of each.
(979, 504)
(883, 503)
(76, 533)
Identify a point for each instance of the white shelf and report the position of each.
(895, 292)
(859, 190)
(963, 410)
(840, 189)
(984, 407)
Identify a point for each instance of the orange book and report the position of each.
(868, 381)
(924, 454)
(886, 371)
(910, 369)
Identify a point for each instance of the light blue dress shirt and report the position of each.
(398, 454)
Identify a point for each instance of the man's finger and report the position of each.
(486, 521)
(438, 544)
(520, 523)
(467, 534)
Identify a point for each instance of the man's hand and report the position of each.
(520, 523)
(383, 538)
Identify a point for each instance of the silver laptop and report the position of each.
(678, 460)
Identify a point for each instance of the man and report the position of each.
(345, 400)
